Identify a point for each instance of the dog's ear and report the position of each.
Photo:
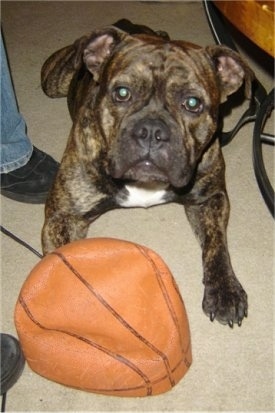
(231, 69)
(99, 47)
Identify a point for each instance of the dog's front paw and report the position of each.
(225, 301)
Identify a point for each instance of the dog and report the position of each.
(145, 112)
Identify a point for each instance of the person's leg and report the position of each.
(26, 172)
(16, 147)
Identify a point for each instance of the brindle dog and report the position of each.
(145, 113)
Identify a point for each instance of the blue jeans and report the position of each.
(16, 147)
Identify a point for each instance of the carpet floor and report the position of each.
(232, 369)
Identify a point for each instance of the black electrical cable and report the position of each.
(3, 405)
(20, 241)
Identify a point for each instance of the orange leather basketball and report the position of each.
(105, 316)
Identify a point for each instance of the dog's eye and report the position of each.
(193, 104)
(122, 94)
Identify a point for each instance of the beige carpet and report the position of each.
(232, 370)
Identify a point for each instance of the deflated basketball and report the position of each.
(105, 316)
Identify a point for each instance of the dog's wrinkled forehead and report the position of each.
(160, 59)
(112, 53)
(161, 68)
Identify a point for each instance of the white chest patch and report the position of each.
(143, 195)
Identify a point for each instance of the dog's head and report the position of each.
(157, 101)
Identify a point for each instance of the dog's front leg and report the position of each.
(62, 228)
(224, 297)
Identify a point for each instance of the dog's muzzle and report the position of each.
(150, 151)
(143, 152)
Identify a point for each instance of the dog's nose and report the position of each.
(151, 131)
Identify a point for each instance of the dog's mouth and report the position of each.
(143, 170)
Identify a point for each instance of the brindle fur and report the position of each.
(104, 142)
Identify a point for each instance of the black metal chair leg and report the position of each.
(258, 139)
(259, 110)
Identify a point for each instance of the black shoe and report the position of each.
(12, 362)
(31, 182)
